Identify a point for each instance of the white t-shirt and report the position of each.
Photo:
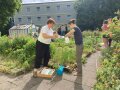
(48, 31)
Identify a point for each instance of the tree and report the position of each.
(91, 13)
(7, 10)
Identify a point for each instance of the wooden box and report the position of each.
(46, 73)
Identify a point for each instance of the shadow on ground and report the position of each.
(32, 82)
(78, 83)
(35, 82)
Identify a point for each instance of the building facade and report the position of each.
(38, 13)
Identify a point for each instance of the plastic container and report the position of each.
(67, 40)
(60, 70)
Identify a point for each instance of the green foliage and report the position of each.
(5, 44)
(109, 72)
(108, 75)
(20, 51)
(115, 29)
(8, 9)
(64, 54)
(18, 43)
(91, 13)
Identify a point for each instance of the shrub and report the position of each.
(108, 75)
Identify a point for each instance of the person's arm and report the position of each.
(55, 35)
(46, 36)
(71, 36)
(70, 33)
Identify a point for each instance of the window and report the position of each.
(58, 18)
(100, 6)
(29, 19)
(19, 20)
(28, 9)
(58, 7)
(38, 9)
(48, 17)
(68, 6)
(68, 16)
(38, 18)
(48, 8)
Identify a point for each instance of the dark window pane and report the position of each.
(20, 19)
(38, 8)
(58, 18)
(38, 18)
(28, 9)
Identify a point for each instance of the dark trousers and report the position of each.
(110, 41)
(42, 54)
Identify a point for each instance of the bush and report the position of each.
(108, 75)
(115, 29)
(19, 51)
(5, 45)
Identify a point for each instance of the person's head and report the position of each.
(50, 22)
(110, 20)
(105, 22)
(62, 26)
(72, 23)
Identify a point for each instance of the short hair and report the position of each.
(72, 21)
(51, 20)
(105, 22)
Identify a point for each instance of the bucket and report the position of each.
(60, 70)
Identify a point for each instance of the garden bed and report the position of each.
(108, 75)
(18, 54)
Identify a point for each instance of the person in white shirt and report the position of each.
(43, 45)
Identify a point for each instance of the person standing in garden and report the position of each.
(43, 45)
(66, 29)
(59, 30)
(79, 44)
(110, 34)
(63, 30)
(107, 35)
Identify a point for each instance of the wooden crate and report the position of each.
(41, 73)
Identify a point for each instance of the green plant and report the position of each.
(108, 75)
(19, 52)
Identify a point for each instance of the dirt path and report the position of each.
(66, 82)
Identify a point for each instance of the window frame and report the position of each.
(38, 9)
(28, 9)
(19, 20)
(38, 18)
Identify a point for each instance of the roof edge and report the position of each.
(47, 2)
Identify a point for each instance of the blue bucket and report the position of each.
(60, 70)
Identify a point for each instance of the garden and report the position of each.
(18, 54)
